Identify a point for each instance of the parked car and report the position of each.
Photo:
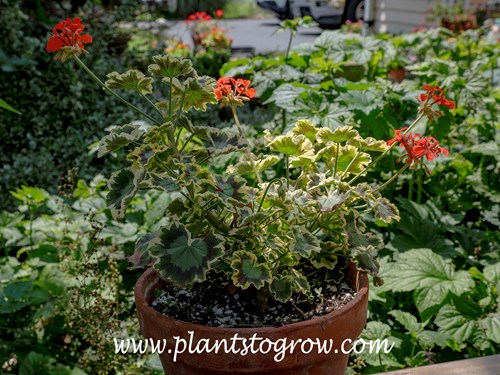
(327, 13)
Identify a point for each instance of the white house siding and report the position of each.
(399, 16)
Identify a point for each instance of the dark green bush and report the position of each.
(62, 110)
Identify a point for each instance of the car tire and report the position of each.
(354, 10)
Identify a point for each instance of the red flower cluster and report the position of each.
(435, 93)
(417, 146)
(219, 13)
(67, 33)
(233, 91)
(198, 16)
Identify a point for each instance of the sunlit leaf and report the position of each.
(131, 80)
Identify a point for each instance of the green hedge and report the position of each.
(62, 110)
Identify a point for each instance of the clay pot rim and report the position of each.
(150, 275)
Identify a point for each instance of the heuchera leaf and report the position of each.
(451, 322)
(131, 80)
(123, 186)
(247, 270)
(429, 274)
(119, 137)
(171, 67)
(407, 320)
(181, 258)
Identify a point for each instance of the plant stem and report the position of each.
(247, 151)
(153, 105)
(117, 96)
(420, 183)
(350, 164)
(287, 171)
(170, 99)
(385, 184)
(266, 191)
(292, 34)
(336, 159)
(410, 188)
(386, 151)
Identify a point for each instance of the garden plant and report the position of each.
(272, 178)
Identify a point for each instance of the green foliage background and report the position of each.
(62, 111)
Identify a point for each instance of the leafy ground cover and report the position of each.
(64, 265)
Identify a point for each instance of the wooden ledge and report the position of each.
(476, 366)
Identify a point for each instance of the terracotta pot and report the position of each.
(397, 75)
(339, 325)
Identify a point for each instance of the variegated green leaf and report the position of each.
(292, 145)
(193, 93)
(181, 258)
(331, 201)
(351, 160)
(384, 209)
(221, 142)
(342, 134)
(368, 144)
(305, 128)
(299, 282)
(281, 288)
(248, 271)
(131, 80)
(327, 257)
(358, 238)
(123, 186)
(119, 137)
(171, 67)
(304, 242)
(161, 181)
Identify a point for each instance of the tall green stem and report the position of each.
(385, 184)
(247, 151)
(153, 105)
(287, 171)
(420, 183)
(410, 188)
(292, 34)
(117, 96)
(170, 99)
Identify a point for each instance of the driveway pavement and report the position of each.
(257, 34)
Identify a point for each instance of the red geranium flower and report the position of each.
(417, 147)
(66, 39)
(233, 91)
(219, 13)
(428, 146)
(435, 93)
(198, 16)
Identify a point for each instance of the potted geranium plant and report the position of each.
(272, 231)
